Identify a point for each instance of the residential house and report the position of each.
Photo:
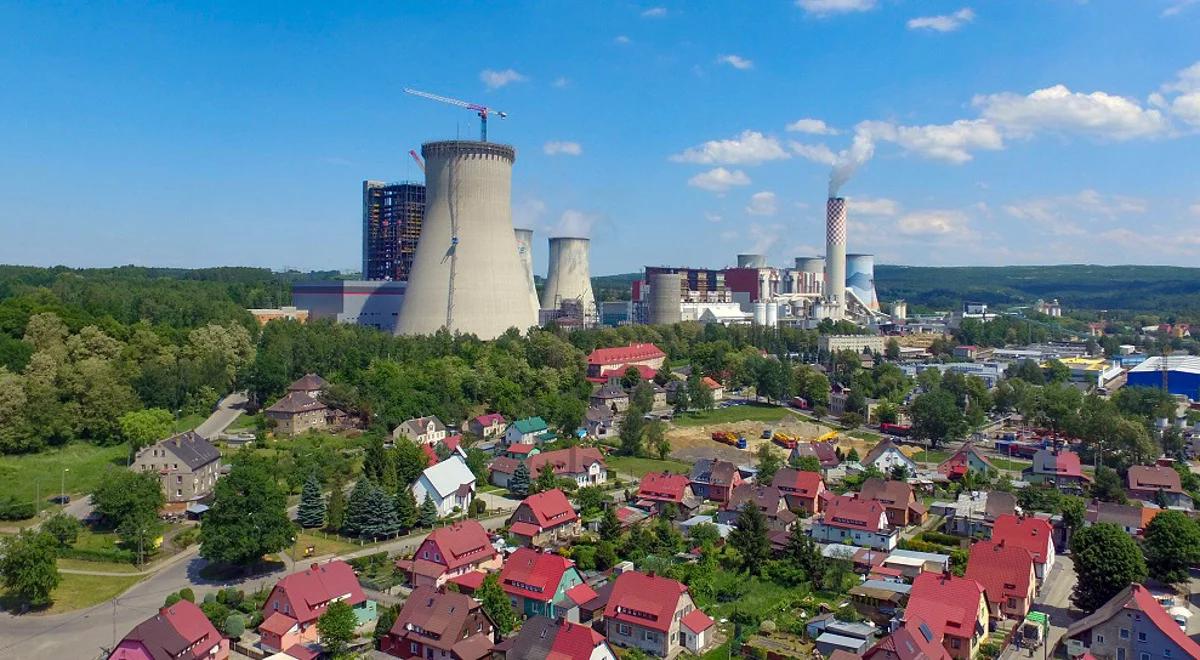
(583, 465)
(1158, 485)
(955, 609)
(298, 600)
(967, 460)
(602, 361)
(656, 615)
(658, 490)
(541, 637)
(487, 426)
(830, 635)
(802, 490)
(860, 521)
(911, 563)
(1131, 626)
(767, 499)
(717, 389)
(528, 431)
(520, 451)
(450, 484)
(187, 466)
(1059, 468)
(886, 456)
(824, 452)
(537, 582)
(973, 514)
(296, 413)
(897, 497)
(1006, 573)
(449, 552)
(440, 624)
(179, 631)
(544, 519)
(599, 421)
(309, 384)
(421, 430)
(1031, 533)
(715, 479)
(1131, 519)
(915, 640)
(611, 396)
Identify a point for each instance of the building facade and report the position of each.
(392, 216)
(188, 467)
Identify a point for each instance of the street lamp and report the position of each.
(62, 499)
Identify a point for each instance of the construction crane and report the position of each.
(482, 110)
(420, 164)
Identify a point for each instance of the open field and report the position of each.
(188, 422)
(691, 442)
(77, 591)
(638, 467)
(22, 474)
(321, 545)
(752, 412)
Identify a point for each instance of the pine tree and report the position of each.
(311, 512)
(610, 525)
(379, 463)
(383, 519)
(518, 483)
(406, 509)
(429, 512)
(495, 602)
(335, 507)
(750, 538)
(360, 510)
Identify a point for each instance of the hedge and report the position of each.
(115, 555)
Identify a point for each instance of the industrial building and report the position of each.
(372, 304)
(1180, 374)
(856, 343)
(568, 295)
(467, 276)
(391, 225)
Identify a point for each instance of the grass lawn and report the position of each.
(638, 467)
(869, 436)
(322, 546)
(106, 566)
(79, 591)
(934, 456)
(244, 422)
(753, 412)
(85, 464)
(93, 540)
(188, 422)
(1007, 464)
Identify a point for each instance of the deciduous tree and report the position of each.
(248, 518)
(1106, 561)
(28, 566)
(496, 604)
(336, 626)
(1172, 544)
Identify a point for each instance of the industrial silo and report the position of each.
(751, 261)
(772, 314)
(899, 310)
(665, 296)
(568, 276)
(467, 275)
(860, 278)
(525, 251)
(760, 313)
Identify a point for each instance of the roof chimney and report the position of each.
(313, 566)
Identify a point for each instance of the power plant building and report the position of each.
(391, 226)
(860, 279)
(374, 304)
(467, 276)
(1181, 375)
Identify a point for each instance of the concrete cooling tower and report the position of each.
(467, 275)
(860, 278)
(752, 261)
(568, 277)
(664, 299)
(525, 250)
(811, 265)
(835, 253)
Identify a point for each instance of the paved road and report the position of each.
(227, 410)
(1055, 601)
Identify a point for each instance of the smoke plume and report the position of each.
(849, 160)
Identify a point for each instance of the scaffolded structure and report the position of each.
(392, 217)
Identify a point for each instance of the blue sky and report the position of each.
(1016, 131)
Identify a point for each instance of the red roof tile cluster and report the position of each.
(574, 641)
(947, 603)
(170, 632)
(438, 619)
(532, 574)
(309, 590)
(550, 508)
(959, 463)
(461, 544)
(572, 460)
(625, 354)
(664, 487)
(790, 480)
(489, 419)
(1146, 477)
(1033, 534)
(697, 621)
(1005, 571)
(853, 513)
(644, 600)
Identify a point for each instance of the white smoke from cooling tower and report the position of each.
(525, 250)
(467, 276)
(569, 276)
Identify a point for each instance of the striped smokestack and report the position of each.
(835, 253)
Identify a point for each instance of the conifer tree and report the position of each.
(406, 509)
(383, 521)
(429, 512)
(360, 509)
(335, 507)
(518, 483)
(311, 512)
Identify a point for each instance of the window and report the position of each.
(1144, 656)
(1099, 639)
(955, 643)
(1141, 636)
(1124, 633)
(623, 629)
(412, 647)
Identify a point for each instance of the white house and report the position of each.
(526, 431)
(421, 430)
(885, 456)
(449, 484)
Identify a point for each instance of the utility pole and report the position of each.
(63, 488)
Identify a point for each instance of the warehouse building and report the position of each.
(1182, 375)
(373, 304)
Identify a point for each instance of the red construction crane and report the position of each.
(413, 153)
(482, 110)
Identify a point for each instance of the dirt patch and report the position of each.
(694, 443)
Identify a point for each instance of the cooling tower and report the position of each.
(525, 250)
(835, 253)
(752, 261)
(568, 277)
(467, 275)
(811, 265)
(665, 290)
(860, 278)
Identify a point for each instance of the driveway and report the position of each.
(228, 409)
(1055, 601)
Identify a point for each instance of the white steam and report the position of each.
(849, 160)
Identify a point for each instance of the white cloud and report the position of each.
(944, 22)
(528, 212)
(934, 222)
(575, 223)
(1062, 215)
(748, 148)
(1057, 108)
(719, 179)
(561, 82)
(762, 203)
(736, 61)
(1185, 106)
(872, 206)
(1177, 6)
(951, 142)
(712, 217)
(622, 40)
(812, 127)
(763, 237)
(562, 148)
(655, 12)
(817, 153)
(498, 79)
(827, 7)
(1187, 80)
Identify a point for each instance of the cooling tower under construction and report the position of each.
(525, 250)
(568, 277)
(665, 290)
(860, 278)
(835, 254)
(467, 275)
(751, 261)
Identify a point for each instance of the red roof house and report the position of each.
(554, 640)
(966, 460)
(1152, 483)
(825, 452)
(538, 582)
(954, 608)
(655, 614)
(658, 489)
(1031, 533)
(914, 641)
(543, 519)
(1135, 608)
(863, 522)
(584, 465)
(604, 359)
(449, 552)
(1007, 575)
(801, 489)
(1059, 468)
(440, 624)
(898, 498)
(302, 597)
(176, 632)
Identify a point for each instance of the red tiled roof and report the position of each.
(917, 640)
(452, 441)
(1145, 477)
(170, 632)
(710, 383)
(1145, 601)
(438, 619)
(948, 603)
(1004, 570)
(472, 580)
(572, 460)
(319, 584)
(697, 621)
(1061, 463)
(303, 651)
(574, 641)
(489, 419)
(663, 487)
(852, 513)
(581, 593)
(534, 574)
(462, 543)
(430, 453)
(551, 508)
(625, 354)
(1027, 532)
(644, 600)
(519, 448)
(790, 480)
(527, 529)
(959, 463)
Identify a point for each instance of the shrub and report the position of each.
(585, 557)
(941, 538)
(186, 538)
(13, 509)
(235, 625)
(187, 594)
(478, 507)
(63, 528)
(171, 600)
(113, 555)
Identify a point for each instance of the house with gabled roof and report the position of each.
(767, 499)
(541, 637)
(656, 615)
(610, 396)
(887, 456)
(487, 426)
(1029, 532)
(898, 498)
(528, 431)
(604, 360)
(802, 490)
(967, 460)
(450, 484)
(583, 465)
(1131, 519)
(714, 479)
(422, 430)
(915, 640)
(451, 551)
(1006, 573)
(1057, 467)
(1132, 625)
(296, 602)
(537, 582)
(176, 632)
(955, 609)
(658, 490)
(187, 464)
(544, 519)
(824, 452)
(310, 384)
(1158, 485)
(297, 413)
(858, 521)
(440, 624)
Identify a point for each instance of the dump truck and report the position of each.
(784, 440)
